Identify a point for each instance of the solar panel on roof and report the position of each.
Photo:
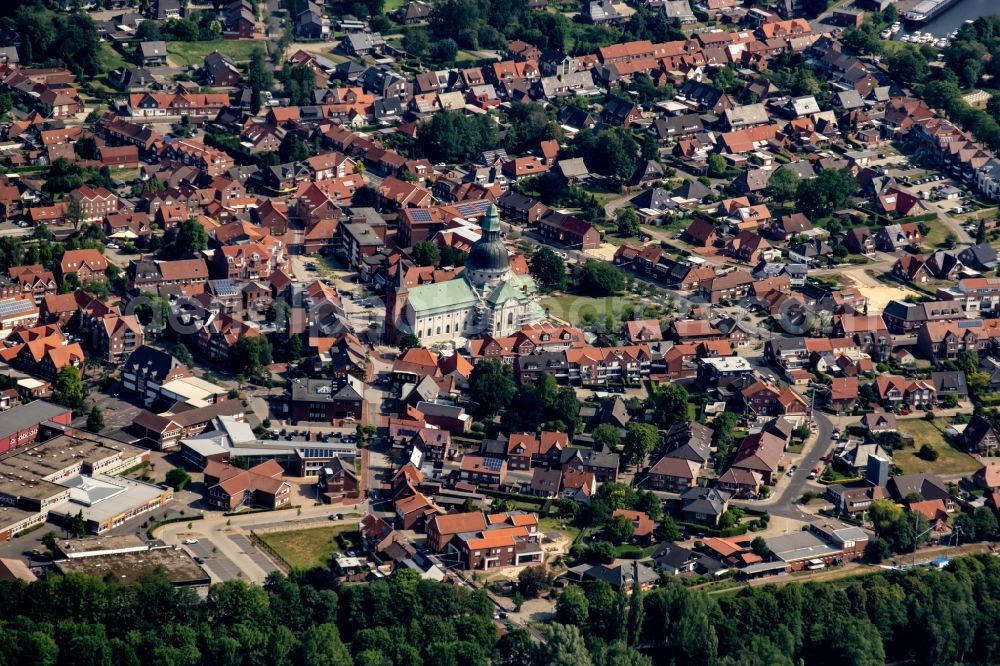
(14, 306)
(421, 215)
(492, 463)
(970, 324)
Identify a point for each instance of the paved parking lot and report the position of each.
(215, 563)
(248, 547)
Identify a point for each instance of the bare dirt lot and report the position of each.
(877, 293)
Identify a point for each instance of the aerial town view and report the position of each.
(499, 332)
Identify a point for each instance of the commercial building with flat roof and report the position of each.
(70, 473)
(107, 502)
(131, 567)
(14, 520)
(20, 425)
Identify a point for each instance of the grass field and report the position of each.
(936, 234)
(575, 309)
(308, 548)
(950, 460)
(558, 525)
(192, 54)
(109, 59)
(392, 5)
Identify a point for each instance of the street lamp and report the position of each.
(916, 538)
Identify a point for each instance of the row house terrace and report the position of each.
(120, 131)
(594, 365)
(976, 295)
(947, 339)
(195, 153)
(150, 104)
(250, 261)
(894, 390)
(530, 339)
(29, 281)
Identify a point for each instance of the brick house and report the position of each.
(482, 471)
(673, 474)
(338, 481)
(230, 487)
(96, 203)
(117, 336)
(87, 265)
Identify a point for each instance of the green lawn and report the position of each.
(109, 59)
(936, 233)
(575, 309)
(950, 460)
(392, 5)
(308, 548)
(192, 54)
(558, 525)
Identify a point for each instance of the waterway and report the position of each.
(953, 17)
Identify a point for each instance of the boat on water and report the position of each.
(885, 34)
(895, 27)
(925, 10)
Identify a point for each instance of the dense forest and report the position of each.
(919, 616)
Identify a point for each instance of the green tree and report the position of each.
(178, 478)
(515, 648)
(759, 547)
(619, 529)
(408, 341)
(672, 404)
(725, 79)
(259, 77)
(611, 152)
(830, 191)
(69, 389)
(667, 530)
(491, 387)
(444, 51)
(548, 269)
(607, 436)
(532, 581)
(95, 419)
(783, 185)
(717, 167)
(640, 440)
(572, 607)
(985, 521)
(292, 149)
(415, 42)
(563, 646)
(599, 278)
(453, 137)
(189, 239)
(628, 222)
(295, 347)
(250, 355)
(601, 552)
(426, 253)
(907, 64)
(320, 645)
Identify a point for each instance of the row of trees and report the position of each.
(50, 37)
(922, 617)
(527, 407)
(198, 25)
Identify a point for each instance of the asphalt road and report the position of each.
(785, 501)
(225, 546)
